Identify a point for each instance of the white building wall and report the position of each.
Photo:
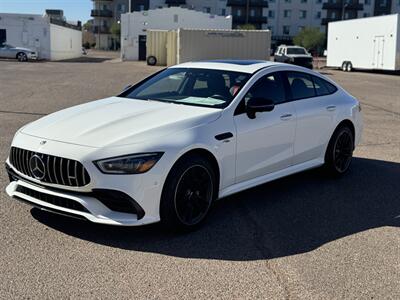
(28, 31)
(277, 20)
(65, 43)
(136, 23)
(35, 32)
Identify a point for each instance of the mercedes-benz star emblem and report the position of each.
(37, 167)
(43, 142)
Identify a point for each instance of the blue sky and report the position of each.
(73, 9)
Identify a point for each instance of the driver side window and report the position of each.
(269, 87)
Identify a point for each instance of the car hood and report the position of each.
(119, 121)
(300, 55)
(23, 49)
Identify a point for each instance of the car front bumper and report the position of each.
(101, 197)
(32, 56)
(83, 205)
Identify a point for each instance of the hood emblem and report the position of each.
(43, 142)
(37, 167)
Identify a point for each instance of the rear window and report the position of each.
(323, 87)
(301, 85)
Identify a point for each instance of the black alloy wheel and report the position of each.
(340, 151)
(193, 195)
(188, 193)
(343, 152)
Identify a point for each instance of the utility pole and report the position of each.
(130, 6)
(345, 4)
(247, 11)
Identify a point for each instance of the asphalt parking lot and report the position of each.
(302, 237)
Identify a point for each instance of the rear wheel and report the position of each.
(349, 67)
(188, 194)
(339, 153)
(22, 56)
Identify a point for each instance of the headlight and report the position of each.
(128, 164)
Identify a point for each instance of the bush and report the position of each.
(310, 38)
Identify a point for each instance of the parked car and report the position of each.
(167, 147)
(22, 54)
(294, 55)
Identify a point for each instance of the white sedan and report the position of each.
(166, 148)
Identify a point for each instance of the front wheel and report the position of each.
(188, 194)
(344, 66)
(340, 151)
(22, 57)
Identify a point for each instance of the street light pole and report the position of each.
(130, 6)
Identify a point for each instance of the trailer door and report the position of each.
(379, 43)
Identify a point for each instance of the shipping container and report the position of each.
(156, 47)
(200, 44)
(367, 43)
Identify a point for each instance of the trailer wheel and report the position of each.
(344, 66)
(151, 60)
(349, 67)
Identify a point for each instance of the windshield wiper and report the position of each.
(163, 100)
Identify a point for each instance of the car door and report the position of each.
(3, 51)
(264, 144)
(7, 51)
(278, 55)
(315, 110)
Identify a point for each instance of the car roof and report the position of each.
(235, 65)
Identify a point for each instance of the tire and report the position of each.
(344, 66)
(21, 56)
(349, 67)
(339, 153)
(188, 194)
(151, 60)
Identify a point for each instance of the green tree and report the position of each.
(310, 38)
(88, 25)
(247, 27)
(116, 29)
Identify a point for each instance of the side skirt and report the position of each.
(237, 187)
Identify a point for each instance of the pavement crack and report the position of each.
(259, 238)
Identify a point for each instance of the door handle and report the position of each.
(331, 108)
(286, 117)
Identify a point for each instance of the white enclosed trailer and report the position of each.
(367, 43)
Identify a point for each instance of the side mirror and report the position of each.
(258, 105)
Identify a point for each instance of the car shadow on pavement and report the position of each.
(289, 216)
(85, 59)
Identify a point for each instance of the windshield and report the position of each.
(190, 86)
(296, 51)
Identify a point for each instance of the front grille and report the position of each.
(302, 60)
(55, 200)
(57, 170)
